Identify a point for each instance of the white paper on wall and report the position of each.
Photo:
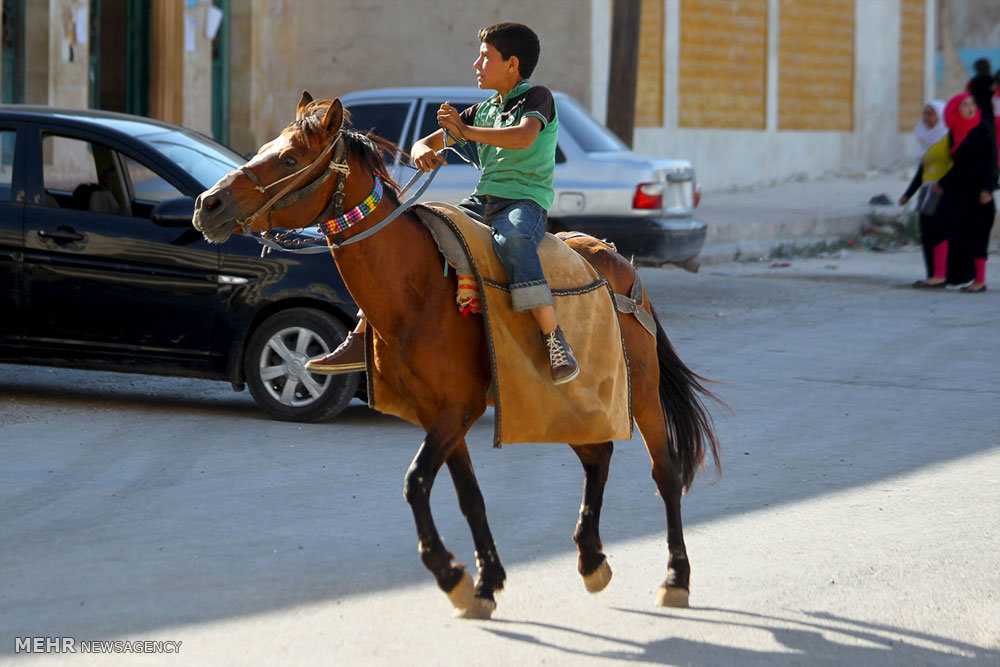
(191, 26)
(213, 18)
(82, 27)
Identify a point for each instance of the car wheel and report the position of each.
(274, 366)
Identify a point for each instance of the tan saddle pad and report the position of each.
(594, 407)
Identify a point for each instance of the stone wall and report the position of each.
(788, 89)
(331, 48)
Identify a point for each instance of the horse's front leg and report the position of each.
(592, 565)
(451, 576)
(470, 500)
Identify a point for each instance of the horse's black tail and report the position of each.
(689, 424)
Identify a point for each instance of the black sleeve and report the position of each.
(914, 185)
(993, 176)
(538, 102)
(468, 116)
(985, 157)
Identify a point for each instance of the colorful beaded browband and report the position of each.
(355, 215)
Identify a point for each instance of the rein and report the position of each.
(334, 210)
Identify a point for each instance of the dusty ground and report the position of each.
(855, 522)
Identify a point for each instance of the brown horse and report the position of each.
(438, 358)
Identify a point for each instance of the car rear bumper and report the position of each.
(647, 240)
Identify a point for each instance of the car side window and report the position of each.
(385, 119)
(429, 125)
(7, 139)
(148, 186)
(81, 175)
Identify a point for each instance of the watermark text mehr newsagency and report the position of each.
(72, 645)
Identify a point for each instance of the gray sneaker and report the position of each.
(562, 363)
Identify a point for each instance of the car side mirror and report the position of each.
(176, 212)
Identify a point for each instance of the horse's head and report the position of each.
(296, 158)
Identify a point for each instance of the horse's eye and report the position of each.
(289, 161)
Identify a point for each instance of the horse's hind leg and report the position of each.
(470, 500)
(674, 591)
(652, 422)
(592, 564)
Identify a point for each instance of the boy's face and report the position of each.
(493, 72)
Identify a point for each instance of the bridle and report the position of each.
(288, 196)
(291, 194)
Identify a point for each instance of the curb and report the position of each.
(734, 241)
(730, 242)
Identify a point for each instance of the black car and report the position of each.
(100, 267)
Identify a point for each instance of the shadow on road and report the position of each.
(817, 639)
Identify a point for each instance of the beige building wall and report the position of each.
(721, 82)
(331, 48)
(816, 65)
(723, 64)
(760, 91)
(912, 55)
(197, 102)
(649, 77)
(69, 60)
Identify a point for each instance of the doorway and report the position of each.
(119, 56)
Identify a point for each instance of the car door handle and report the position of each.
(60, 235)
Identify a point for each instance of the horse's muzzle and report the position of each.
(215, 213)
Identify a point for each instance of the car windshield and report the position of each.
(588, 133)
(205, 160)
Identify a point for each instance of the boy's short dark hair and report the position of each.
(514, 39)
(981, 66)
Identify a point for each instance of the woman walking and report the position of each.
(966, 207)
(932, 135)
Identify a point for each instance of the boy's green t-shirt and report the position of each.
(525, 173)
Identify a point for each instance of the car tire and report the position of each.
(274, 366)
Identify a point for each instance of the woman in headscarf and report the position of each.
(932, 135)
(966, 190)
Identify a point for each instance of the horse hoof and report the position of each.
(672, 597)
(463, 594)
(480, 609)
(596, 581)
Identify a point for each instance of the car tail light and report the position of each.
(648, 195)
(697, 196)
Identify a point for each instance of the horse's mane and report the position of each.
(369, 149)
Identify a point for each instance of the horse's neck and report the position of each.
(387, 270)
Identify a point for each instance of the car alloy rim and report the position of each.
(282, 367)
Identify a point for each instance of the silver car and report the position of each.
(644, 204)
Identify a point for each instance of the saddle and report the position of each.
(528, 407)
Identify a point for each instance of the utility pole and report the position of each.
(624, 68)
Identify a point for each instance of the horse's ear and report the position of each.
(306, 99)
(334, 117)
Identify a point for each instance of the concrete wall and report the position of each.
(198, 71)
(331, 48)
(968, 29)
(69, 69)
(730, 157)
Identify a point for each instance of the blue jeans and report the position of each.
(518, 227)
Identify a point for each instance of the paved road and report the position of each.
(856, 521)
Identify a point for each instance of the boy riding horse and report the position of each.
(516, 131)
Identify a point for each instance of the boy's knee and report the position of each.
(514, 242)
